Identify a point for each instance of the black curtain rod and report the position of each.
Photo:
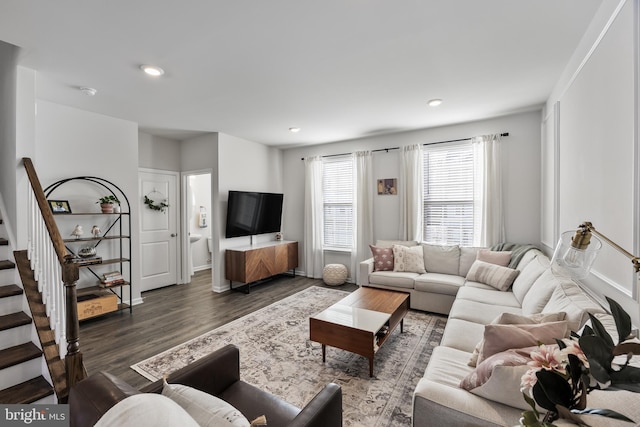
(397, 148)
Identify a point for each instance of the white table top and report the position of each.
(358, 318)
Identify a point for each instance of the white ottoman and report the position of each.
(334, 274)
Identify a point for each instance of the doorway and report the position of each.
(196, 222)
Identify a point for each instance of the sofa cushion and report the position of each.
(205, 409)
(408, 259)
(438, 397)
(478, 312)
(439, 283)
(462, 335)
(528, 256)
(540, 293)
(498, 377)
(146, 409)
(568, 297)
(441, 259)
(467, 256)
(392, 278)
(382, 258)
(490, 296)
(390, 243)
(498, 338)
(528, 276)
(494, 257)
(494, 275)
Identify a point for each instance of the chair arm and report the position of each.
(324, 410)
(212, 374)
(366, 268)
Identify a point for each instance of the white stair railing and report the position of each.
(47, 271)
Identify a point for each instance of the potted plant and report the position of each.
(107, 202)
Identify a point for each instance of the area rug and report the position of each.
(276, 355)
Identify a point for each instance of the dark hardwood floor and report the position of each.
(171, 316)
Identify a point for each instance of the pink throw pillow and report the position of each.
(498, 338)
(382, 258)
(494, 257)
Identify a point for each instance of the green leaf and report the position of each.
(561, 344)
(541, 398)
(622, 319)
(627, 378)
(587, 330)
(599, 356)
(603, 412)
(601, 331)
(555, 387)
(531, 403)
(530, 419)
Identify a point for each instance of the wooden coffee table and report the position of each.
(361, 322)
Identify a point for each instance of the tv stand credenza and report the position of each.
(251, 264)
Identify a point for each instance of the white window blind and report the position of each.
(448, 194)
(337, 189)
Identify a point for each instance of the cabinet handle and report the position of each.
(173, 234)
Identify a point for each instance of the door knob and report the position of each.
(173, 234)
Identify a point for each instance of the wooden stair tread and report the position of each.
(17, 354)
(6, 265)
(4, 242)
(27, 392)
(14, 320)
(10, 290)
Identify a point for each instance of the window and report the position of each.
(337, 189)
(448, 194)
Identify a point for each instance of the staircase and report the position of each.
(21, 360)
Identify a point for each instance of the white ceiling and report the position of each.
(338, 69)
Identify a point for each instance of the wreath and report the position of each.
(162, 206)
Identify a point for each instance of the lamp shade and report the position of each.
(571, 261)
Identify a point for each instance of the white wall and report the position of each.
(9, 163)
(155, 152)
(246, 166)
(72, 142)
(521, 175)
(593, 148)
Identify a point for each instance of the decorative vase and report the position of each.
(106, 207)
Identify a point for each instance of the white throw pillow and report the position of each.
(441, 258)
(146, 410)
(207, 410)
(408, 259)
(491, 274)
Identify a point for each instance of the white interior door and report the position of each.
(158, 230)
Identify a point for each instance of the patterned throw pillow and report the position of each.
(493, 275)
(382, 258)
(408, 259)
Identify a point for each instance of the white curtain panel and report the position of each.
(313, 217)
(362, 210)
(410, 191)
(488, 210)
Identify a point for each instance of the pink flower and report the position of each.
(574, 348)
(528, 380)
(547, 357)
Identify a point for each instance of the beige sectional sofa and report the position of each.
(439, 399)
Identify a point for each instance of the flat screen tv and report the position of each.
(251, 213)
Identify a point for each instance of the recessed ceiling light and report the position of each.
(434, 102)
(152, 70)
(89, 91)
(294, 129)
